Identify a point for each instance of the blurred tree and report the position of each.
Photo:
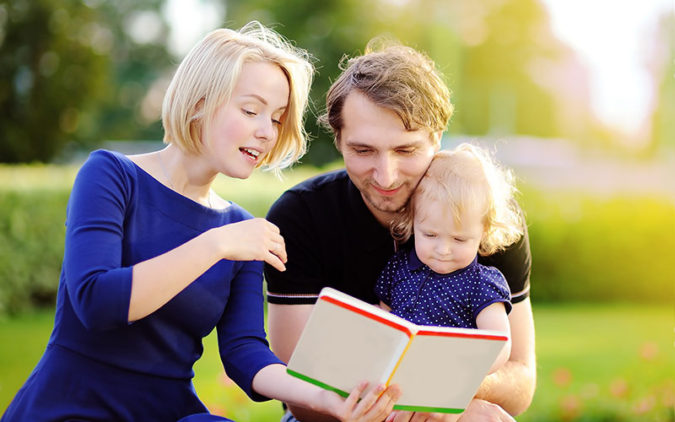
(50, 70)
(140, 66)
(499, 93)
(80, 71)
(663, 70)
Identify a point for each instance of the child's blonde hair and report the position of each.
(466, 178)
(206, 78)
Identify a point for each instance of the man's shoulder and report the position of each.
(323, 183)
(325, 190)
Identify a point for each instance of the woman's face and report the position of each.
(246, 127)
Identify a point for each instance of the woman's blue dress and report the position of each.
(97, 365)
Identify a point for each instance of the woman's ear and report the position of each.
(197, 122)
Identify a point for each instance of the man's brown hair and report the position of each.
(395, 77)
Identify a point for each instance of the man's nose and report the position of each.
(386, 171)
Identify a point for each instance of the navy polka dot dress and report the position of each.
(415, 292)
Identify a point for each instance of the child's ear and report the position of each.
(436, 139)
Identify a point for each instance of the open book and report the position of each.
(347, 341)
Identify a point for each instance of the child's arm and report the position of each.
(494, 318)
(273, 381)
(385, 306)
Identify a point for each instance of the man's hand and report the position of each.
(477, 411)
(484, 411)
(399, 416)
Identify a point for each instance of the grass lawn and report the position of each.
(596, 363)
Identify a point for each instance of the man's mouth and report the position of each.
(387, 192)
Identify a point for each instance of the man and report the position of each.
(387, 110)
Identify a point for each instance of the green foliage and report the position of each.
(601, 249)
(32, 216)
(32, 233)
(49, 72)
(71, 72)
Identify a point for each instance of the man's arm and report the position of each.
(512, 386)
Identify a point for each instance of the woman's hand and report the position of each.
(375, 406)
(252, 240)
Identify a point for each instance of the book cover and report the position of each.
(347, 340)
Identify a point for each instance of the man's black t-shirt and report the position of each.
(332, 240)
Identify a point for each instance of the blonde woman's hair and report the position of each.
(467, 179)
(395, 77)
(206, 78)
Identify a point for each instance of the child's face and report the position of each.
(440, 243)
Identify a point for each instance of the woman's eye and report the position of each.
(249, 112)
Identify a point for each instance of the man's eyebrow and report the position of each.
(358, 144)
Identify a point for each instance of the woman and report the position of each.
(154, 259)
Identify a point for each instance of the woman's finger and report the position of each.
(275, 261)
(369, 400)
(354, 395)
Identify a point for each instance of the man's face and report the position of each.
(383, 159)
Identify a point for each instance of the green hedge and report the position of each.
(618, 248)
(32, 233)
(614, 248)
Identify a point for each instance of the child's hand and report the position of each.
(256, 239)
(375, 406)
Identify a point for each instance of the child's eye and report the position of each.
(429, 235)
(460, 240)
(248, 112)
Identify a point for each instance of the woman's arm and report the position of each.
(273, 381)
(158, 280)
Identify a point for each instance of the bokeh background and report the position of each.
(577, 97)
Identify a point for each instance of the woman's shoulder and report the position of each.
(105, 160)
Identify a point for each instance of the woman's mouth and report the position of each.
(251, 154)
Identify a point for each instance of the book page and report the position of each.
(441, 372)
(340, 347)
